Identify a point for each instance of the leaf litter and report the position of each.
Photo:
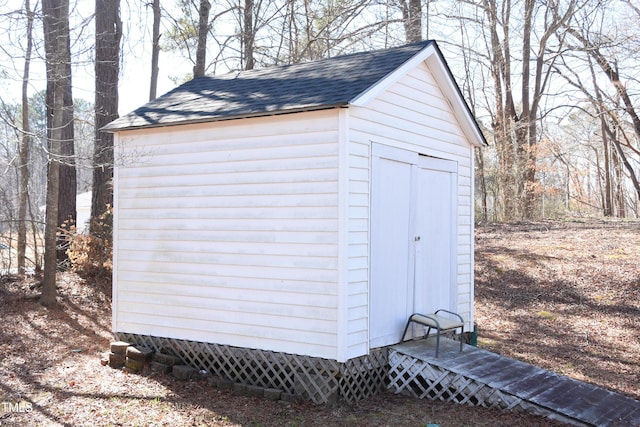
(562, 295)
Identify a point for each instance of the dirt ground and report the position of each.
(562, 295)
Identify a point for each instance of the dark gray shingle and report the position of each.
(327, 83)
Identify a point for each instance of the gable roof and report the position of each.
(328, 83)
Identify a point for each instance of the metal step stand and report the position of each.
(439, 323)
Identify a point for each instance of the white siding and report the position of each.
(413, 114)
(228, 233)
(255, 232)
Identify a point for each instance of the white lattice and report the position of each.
(364, 376)
(421, 379)
(316, 379)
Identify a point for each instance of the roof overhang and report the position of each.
(121, 128)
(430, 54)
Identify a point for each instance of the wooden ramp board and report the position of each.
(480, 377)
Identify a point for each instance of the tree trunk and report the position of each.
(56, 19)
(107, 67)
(25, 147)
(155, 52)
(483, 183)
(628, 167)
(48, 297)
(203, 31)
(292, 30)
(629, 107)
(248, 36)
(68, 183)
(35, 231)
(501, 74)
(56, 31)
(516, 134)
(607, 206)
(412, 20)
(525, 129)
(620, 159)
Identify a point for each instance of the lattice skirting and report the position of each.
(421, 379)
(316, 379)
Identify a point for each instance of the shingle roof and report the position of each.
(327, 83)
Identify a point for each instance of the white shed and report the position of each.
(305, 210)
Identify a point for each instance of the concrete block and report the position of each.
(213, 381)
(183, 372)
(165, 359)
(240, 389)
(255, 391)
(291, 398)
(136, 365)
(117, 360)
(139, 353)
(225, 384)
(119, 347)
(272, 394)
(160, 368)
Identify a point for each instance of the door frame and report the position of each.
(416, 159)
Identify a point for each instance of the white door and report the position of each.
(413, 257)
(391, 253)
(435, 258)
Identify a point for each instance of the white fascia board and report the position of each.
(441, 73)
(375, 90)
(451, 91)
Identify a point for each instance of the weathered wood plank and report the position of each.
(532, 384)
(609, 408)
(557, 396)
(510, 374)
(563, 396)
(586, 401)
(632, 418)
(482, 369)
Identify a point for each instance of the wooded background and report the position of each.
(553, 85)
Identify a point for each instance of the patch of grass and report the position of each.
(546, 315)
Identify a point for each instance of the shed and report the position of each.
(298, 213)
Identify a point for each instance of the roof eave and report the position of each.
(375, 90)
(461, 109)
(108, 128)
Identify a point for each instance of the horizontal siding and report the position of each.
(234, 224)
(166, 257)
(413, 114)
(258, 189)
(224, 201)
(191, 296)
(228, 233)
(279, 174)
(194, 281)
(316, 250)
(224, 308)
(244, 335)
(169, 151)
(259, 237)
(249, 212)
